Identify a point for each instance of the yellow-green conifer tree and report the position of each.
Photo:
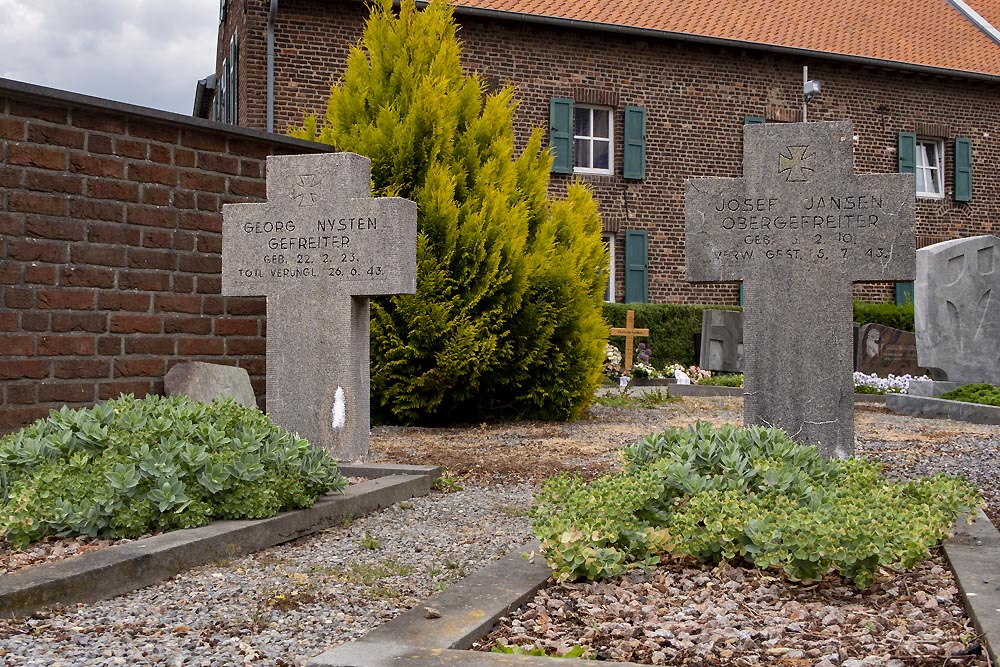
(506, 321)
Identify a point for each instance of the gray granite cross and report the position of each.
(798, 229)
(317, 249)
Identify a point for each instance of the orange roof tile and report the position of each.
(929, 33)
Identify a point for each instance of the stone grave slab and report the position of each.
(798, 228)
(317, 249)
(721, 341)
(886, 350)
(205, 382)
(956, 301)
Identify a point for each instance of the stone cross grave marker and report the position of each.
(317, 249)
(798, 228)
(630, 333)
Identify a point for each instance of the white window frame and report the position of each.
(935, 171)
(584, 108)
(609, 240)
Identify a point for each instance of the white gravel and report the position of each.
(282, 605)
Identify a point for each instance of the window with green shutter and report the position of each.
(904, 293)
(963, 169)
(907, 152)
(636, 266)
(753, 120)
(561, 134)
(634, 160)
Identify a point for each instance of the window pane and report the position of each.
(601, 150)
(602, 118)
(581, 153)
(921, 176)
(583, 122)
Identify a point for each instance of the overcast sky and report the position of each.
(146, 52)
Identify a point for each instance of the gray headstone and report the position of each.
(317, 249)
(721, 341)
(886, 350)
(956, 301)
(204, 382)
(798, 229)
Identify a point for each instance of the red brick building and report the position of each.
(639, 96)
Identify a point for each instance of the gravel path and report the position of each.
(281, 605)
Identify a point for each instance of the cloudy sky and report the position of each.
(146, 52)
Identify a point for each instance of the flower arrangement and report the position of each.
(612, 362)
(893, 384)
(693, 372)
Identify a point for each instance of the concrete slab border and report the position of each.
(472, 606)
(126, 567)
(939, 408)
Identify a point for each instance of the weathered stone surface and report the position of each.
(318, 249)
(956, 300)
(885, 350)
(722, 341)
(204, 382)
(797, 229)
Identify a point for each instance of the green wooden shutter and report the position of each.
(634, 162)
(904, 293)
(753, 120)
(907, 149)
(561, 134)
(963, 169)
(636, 272)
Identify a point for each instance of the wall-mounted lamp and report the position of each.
(810, 89)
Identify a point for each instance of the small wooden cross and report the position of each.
(630, 333)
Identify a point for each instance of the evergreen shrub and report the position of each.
(506, 321)
(749, 494)
(128, 467)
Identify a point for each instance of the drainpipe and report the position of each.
(270, 64)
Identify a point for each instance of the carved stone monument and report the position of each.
(721, 341)
(887, 351)
(798, 229)
(317, 249)
(956, 301)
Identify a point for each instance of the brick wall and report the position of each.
(110, 232)
(696, 97)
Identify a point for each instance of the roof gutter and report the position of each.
(522, 17)
(271, 14)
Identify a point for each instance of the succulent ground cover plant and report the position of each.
(131, 466)
(750, 494)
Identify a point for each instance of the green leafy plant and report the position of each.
(985, 394)
(748, 494)
(506, 321)
(131, 466)
(577, 651)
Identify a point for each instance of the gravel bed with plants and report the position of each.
(277, 607)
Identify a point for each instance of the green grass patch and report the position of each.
(646, 399)
(735, 380)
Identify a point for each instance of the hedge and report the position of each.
(672, 326)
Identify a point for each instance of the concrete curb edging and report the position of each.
(974, 555)
(126, 567)
(940, 408)
(471, 607)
